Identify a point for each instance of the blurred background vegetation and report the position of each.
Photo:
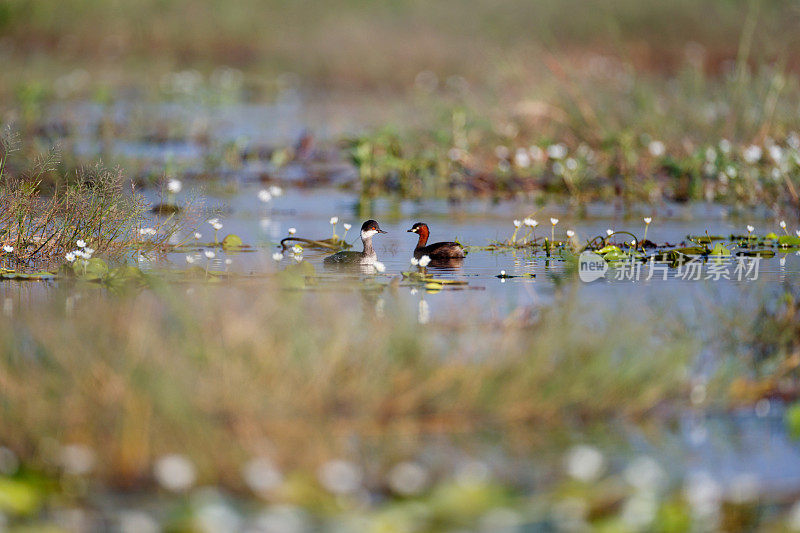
(382, 45)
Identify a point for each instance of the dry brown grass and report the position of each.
(222, 374)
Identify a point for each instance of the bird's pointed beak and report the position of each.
(410, 231)
(379, 230)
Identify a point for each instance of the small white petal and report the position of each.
(570, 233)
(517, 223)
(292, 231)
(8, 248)
(277, 256)
(347, 226)
(750, 229)
(648, 220)
(414, 261)
(609, 232)
(174, 186)
(197, 235)
(380, 267)
(81, 243)
(334, 220)
(783, 224)
(209, 254)
(424, 260)
(554, 221)
(264, 195)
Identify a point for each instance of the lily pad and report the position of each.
(788, 241)
(720, 250)
(232, 241)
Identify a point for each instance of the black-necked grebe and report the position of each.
(367, 257)
(439, 250)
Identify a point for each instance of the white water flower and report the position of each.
(502, 272)
(517, 223)
(217, 226)
(408, 478)
(175, 472)
(656, 148)
(77, 459)
(570, 233)
(190, 259)
(797, 232)
(174, 186)
(277, 256)
(752, 154)
(264, 195)
(571, 164)
(380, 267)
(275, 191)
(197, 235)
(725, 146)
(414, 261)
(8, 248)
(292, 231)
(776, 153)
(750, 229)
(554, 221)
(648, 220)
(531, 223)
(334, 220)
(609, 232)
(297, 249)
(147, 231)
(521, 158)
(298, 257)
(70, 257)
(340, 477)
(261, 475)
(209, 254)
(557, 151)
(81, 243)
(347, 226)
(585, 463)
(88, 251)
(424, 260)
(783, 224)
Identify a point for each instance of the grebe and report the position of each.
(367, 257)
(439, 250)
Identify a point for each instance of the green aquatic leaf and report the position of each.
(18, 497)
(609, 248)
(691, 250)
(771, 236)
(26, 276)
(792, 420)
(764, 254)
(617, 255)
(789, 241)
(720, 250)
(232, 241)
